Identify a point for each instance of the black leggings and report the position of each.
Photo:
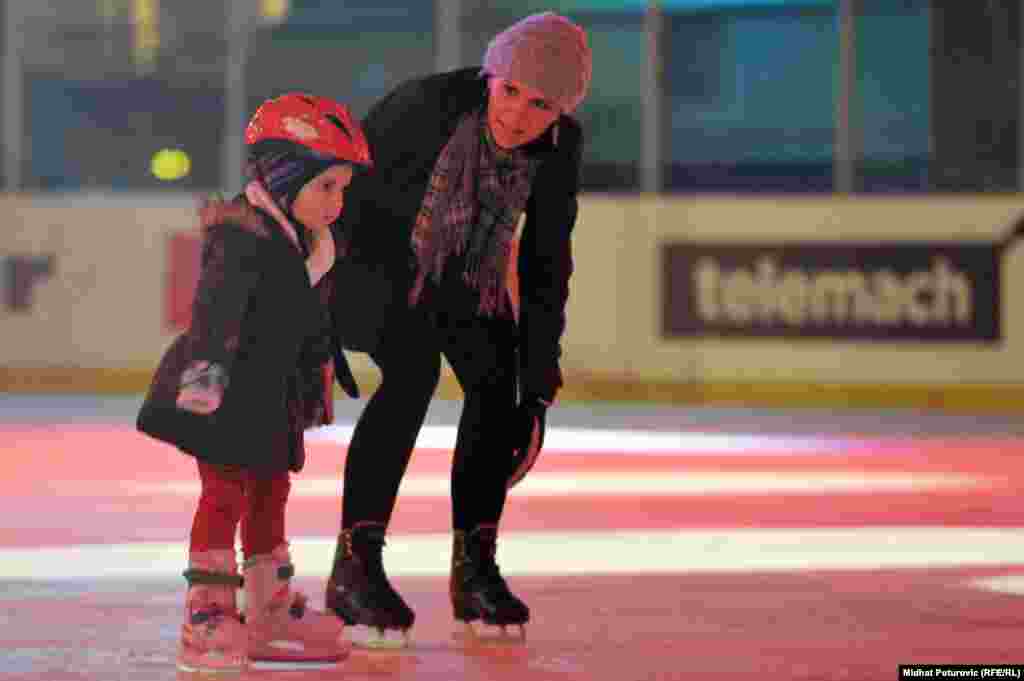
(481, 352)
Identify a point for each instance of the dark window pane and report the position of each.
(109, 84)
(750, 98)
(893, 92)
(104, 133)
(612, 114)
(975, 96)
(354, 51)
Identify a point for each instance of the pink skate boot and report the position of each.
(284, 632)
(213, 638)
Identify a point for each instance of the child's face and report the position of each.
(517, 113)
(320, 200)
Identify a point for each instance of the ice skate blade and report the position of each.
(481, 634)
(193, 673)
(371, 638)
(267, 660)
(291, 665)
(204, 671)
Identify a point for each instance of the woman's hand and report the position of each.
(321, 256)
(528, 424)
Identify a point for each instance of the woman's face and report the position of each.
(517, 113)
(320, 200)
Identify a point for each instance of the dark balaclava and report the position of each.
(283, 168)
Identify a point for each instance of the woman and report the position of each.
(251, 373)
(429, 240)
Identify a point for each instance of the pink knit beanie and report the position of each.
(547, 52)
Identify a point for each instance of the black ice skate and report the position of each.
(359, 592)
(479, 592)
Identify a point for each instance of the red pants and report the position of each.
(231, 495)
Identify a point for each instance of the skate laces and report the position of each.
(485, 553)
(298, 607)
(492, 574)
(210, 615)
(294, 601)
(369, 547)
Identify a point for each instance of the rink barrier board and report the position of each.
(99, 300)
(961, 398)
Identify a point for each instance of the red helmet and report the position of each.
(317, 123)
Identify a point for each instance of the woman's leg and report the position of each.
(358, 590)
(483, 454)
(483, 358)
(382, 444)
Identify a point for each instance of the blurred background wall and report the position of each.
(742, 132)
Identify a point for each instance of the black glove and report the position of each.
(528, 425)
(342, 371)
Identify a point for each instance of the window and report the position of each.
(354, 51)
(108, 84)
(748, 99)
(892, 94)
(750, 96)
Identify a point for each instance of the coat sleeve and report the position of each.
(230, 268)
(371, 275)
(545, 265)
(365, 230)
(392, 116)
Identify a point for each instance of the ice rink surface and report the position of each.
(650, 543)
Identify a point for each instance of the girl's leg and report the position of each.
(221, 504)
(281, 626)
(213, 638)
(266, 496)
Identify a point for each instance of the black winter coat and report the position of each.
(256, 314)
(407, 131)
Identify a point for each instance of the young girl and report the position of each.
(237, 390)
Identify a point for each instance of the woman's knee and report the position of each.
(491, 389)
(487, 413)
(416, 372)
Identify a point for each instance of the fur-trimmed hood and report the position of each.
(217, 211)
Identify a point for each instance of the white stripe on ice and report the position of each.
(622, 441)
(1007, 584)
(578, 553)
(644, 484)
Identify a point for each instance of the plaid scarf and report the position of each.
(472, 206)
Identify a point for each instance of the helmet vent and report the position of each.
(341, 126)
